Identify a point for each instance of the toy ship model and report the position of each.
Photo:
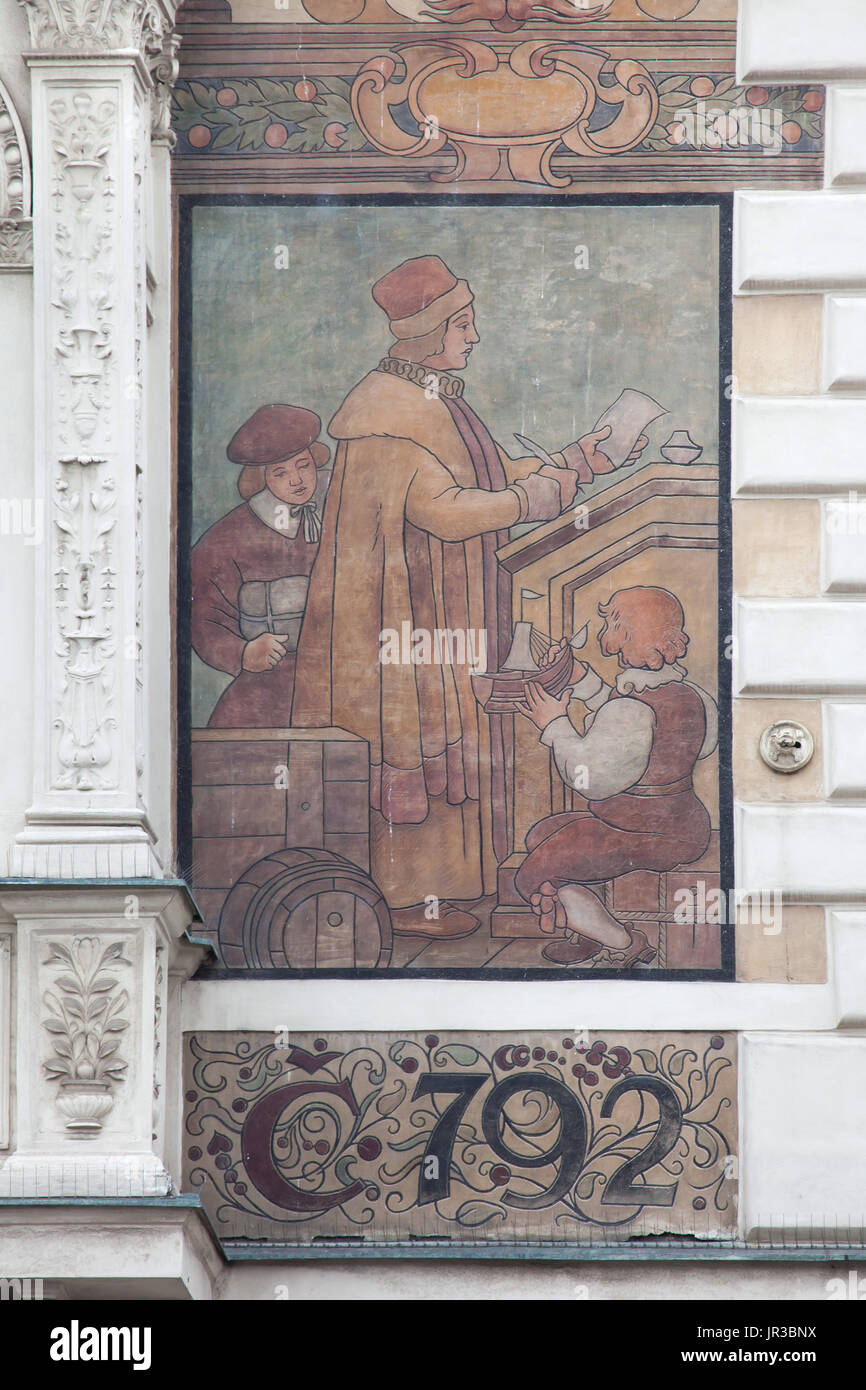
(502, 691)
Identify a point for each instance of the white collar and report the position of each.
(636, 678)
(264, 505)
(275, 513)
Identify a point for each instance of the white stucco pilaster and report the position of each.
(92, 111)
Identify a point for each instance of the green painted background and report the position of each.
(558, 343)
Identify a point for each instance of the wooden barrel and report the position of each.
(305, 909)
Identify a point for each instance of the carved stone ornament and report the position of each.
(84, 503)
(164, 67)
(488, 105)
(85, 577)
(85, 1016)
(88, 26)
(16, 228)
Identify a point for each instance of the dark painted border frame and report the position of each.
(724, 202)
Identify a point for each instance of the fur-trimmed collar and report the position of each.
(383, 405)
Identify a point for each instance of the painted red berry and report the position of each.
(322, 1147)
(199, 137)
(226, 96)
(194, 1153)
(304, 90)
(409, 1065)
(538, 1053)
(499, 1174)
(334, 134)
(320, 1044)
(369, 1147)
(591, 1078)
(431, 1040)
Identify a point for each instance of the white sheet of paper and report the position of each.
(628, 417)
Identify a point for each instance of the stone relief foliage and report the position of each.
(85, 1011)
(83, 128)
(94, 25)
(85, 1016)
(16, 229)
(552, 1136)
(84, 518)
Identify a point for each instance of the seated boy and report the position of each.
(635, 762)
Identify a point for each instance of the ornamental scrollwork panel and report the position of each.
(580, 1136)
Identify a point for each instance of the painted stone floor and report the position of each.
(480, 951)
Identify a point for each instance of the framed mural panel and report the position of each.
(454, 557)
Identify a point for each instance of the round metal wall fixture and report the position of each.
(786, 746)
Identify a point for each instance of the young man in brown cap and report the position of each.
(422, 498)
(250, 570)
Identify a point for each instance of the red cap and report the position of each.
(274, 433)
(419, 295)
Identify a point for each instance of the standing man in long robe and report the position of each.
(421, 497)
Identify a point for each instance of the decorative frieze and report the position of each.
(573, 1136)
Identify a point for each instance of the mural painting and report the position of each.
(295, 1138)
(454, 584)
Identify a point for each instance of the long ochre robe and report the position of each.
(403, 542)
